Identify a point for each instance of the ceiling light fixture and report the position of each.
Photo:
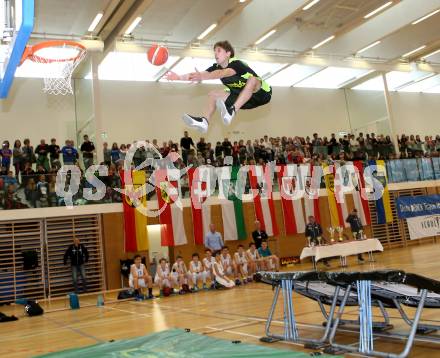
(261, 39)
(323, 42)
(431, 54)
(414, 51)
(380, 8)
(368, 47)
(425, 17)
(95, 22)
(133, 25)
(309, 5)
(206, 32)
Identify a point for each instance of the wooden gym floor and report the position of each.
(237, 314)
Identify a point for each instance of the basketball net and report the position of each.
(59, 58)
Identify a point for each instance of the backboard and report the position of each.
(16, 24)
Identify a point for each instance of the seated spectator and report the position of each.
(197, 272)
(163, 277)
(43, 192)
(139, 279)
(219, 273)
(179, 275)
(229, 265)
(270, 262)
(254, 258)
(241, 264)
(31, 193)
(208, 261)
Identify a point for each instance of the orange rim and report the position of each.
(29, 52)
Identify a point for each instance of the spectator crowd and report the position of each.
(28, 174)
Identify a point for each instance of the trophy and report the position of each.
(340, 230)
(331, 230)
(311, 243)
(361, 234)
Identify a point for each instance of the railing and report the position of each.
(31, 191)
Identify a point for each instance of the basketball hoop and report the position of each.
(60, 58)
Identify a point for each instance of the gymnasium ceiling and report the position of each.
(298, 31)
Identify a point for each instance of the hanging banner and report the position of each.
(414, 206)
(423, 226)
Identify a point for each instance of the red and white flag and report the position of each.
(200, 189)
(360, 201)
(261, 183)
(312, 184)
(293, 215)
(172, 229)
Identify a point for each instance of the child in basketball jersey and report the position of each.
(179, 274)
(254, 259)
(229, 265)
(241, 263)
(197, 272)
(208, 261)
(244, 89)
(139, 279)
(163, 275)
(219, 273)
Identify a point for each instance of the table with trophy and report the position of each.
(339, 247)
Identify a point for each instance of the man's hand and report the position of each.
(195, 76)
(172, 76)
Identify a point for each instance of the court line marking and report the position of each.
(75, 330)
(126, 311)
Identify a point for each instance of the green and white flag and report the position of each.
(231, 204)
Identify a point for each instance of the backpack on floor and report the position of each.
(32, 308)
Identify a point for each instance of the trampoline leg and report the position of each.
(271, 313)
(323, 341)
(335, 323)
(413, 330)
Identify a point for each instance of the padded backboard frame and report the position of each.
(19, 28)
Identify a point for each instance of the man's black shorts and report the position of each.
(258, 99)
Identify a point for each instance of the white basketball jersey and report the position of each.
(196, 267)
(208, 263)
(139, 270)
(240, 258)
(226, 261)
(163, 271)
(253, 255)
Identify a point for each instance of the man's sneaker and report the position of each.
(237, 282)
(199, 123)
(150, 297)
(204, 286)
(139, 297)
(227, 113)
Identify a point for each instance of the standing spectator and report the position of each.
(43, 192)
(42, 151)
(6, 154)
(28, 152)
(185, 143)
(356, 227)
(313, 232)
(201, 147)
(54, 154)
(69, 152)
(115, 153)
(78, 255)
(107, 153)
(122, 152)
(17, 158)
(218, 151)
(213, 239)
(258, 235)
(87, 149)
(227, 148)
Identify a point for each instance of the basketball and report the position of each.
(157, 55)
